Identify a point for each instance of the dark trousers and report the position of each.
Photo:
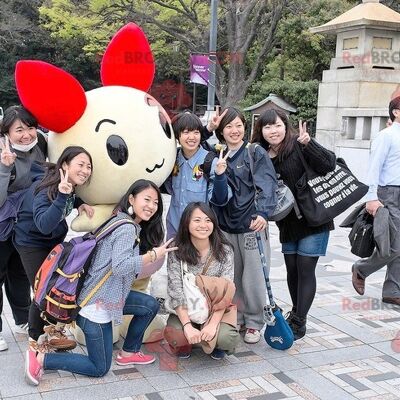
(32, 258)
(16, 283)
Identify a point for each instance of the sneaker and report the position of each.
(58, 339)
(21, 329)
(3, 344)
(33, 370)
(135, 358)
(217, 354)
(252, 336)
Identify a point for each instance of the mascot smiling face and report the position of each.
(126, 131)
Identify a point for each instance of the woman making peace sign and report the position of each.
(20, 146)
(41, 225)
(302, 245)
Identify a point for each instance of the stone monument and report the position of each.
(355, 92)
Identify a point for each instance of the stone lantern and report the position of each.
(355, 92)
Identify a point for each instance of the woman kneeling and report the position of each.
(204, 252)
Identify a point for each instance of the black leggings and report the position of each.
(301, 281)
(16, 283)
(32, 258)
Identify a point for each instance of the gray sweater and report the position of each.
(115, 251)
(12, 180)
(175, 293)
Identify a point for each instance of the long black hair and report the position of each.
(186, 250)
(152, 233)
(270, 117)
(14, 113)
(52, 177)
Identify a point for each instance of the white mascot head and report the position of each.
(126, 131)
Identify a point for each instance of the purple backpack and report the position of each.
(62, 274)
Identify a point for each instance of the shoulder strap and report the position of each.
(207, 264)
(109, 227)
(42, 143)
(251, 149)
(208, 160)
(102, 232)
(95, 289)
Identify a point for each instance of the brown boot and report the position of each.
(57, 338)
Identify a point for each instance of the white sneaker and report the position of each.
(21, 329)
(252, 336)
(3, 344)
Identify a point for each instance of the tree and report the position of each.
(247, 31)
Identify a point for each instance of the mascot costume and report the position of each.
(126, 131)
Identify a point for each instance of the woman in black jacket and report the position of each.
(302, 244)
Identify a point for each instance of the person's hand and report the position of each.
(221, 166)
(258, 224)
(64, 186)
(304, 136)
(85, 208)
(7, 156)
(192, 334)
(213, 124)
(164, 249)
(208, 332)
(372, 206)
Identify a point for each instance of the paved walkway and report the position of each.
(347, 353)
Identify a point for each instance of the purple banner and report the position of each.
(199, 69)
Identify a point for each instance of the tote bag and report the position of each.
(323, 197)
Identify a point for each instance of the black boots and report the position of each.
(297, 325)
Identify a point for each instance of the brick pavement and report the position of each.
(346, 354)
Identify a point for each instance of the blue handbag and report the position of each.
(277, 331)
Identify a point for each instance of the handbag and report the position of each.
(361, 235)
(277, 331)
(321, 198)
(285, 199)
(197, 306)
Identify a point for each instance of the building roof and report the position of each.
(370, 12)
(276, 100)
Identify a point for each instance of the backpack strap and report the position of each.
(102, 232)
(99, 284)
(251, 149)
(207, 163)
(42, 144)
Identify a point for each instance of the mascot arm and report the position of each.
(82, 223)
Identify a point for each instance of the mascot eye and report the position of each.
(164, 119)
(117, 150)
(165, 125)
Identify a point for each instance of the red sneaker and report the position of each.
(33, 370)
(135, 358)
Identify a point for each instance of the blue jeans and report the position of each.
(99, 339)
(309, 246)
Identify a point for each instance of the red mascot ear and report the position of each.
(128, 60)
(52, 95)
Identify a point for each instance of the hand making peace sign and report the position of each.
(7, 156)
(304, 137)
(215, 120)
(221, 166)
(64, 186)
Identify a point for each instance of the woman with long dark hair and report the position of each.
(141, 209)
(20, 146)
(203, 248)
(302, 245)
(42, 225)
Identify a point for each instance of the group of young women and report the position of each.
(218, 203)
